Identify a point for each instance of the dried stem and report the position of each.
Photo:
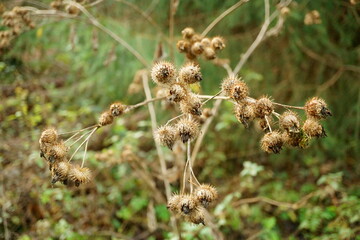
(267, 122)
(83, 135)
(288, 106)
(86, 139)
(86, 146)
(78, 131)
(209, 97)
(174, 118)
(213, 97)
(144, 103)
(222, 16)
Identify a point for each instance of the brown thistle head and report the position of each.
(263, 107)
(183, 46)
(244, 113)
(239, 91)
(166, 136)
(317, 108)
(49, 136)
(173, 202)
(79, 175)
(186, 205)
(209, 53)
(57, 152)
(188, 33)
(197, 48)
(163, 73)
(272, 142)
(178, 92)
(228, 84)
(205, 194)
(197, 216)
(218, 43)
(106, 118)
(190, 73)
(187, 129)
(117, 108)
(313, 128)
(61, 171)
(290, 121)
(191, 105)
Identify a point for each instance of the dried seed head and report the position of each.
(209, 53)
(239, 91)
(173, 202)
(312, 17)
(244, 113)
(196, 38)
(284, 11)
(106, 118)
(289, 121)
(263, 124)
(317, 108)
(205, 194)
(79, 175)
(49, 136)
(183, 46)
(206, 42)
(218, 43)
(57, 152)
(263, 107)
(190, 73)
(207, 112)
(117, 108)
(166, 136)
(190, 56)
(191, 105)
(178, 92)
(61, 170)
(298, 139)
(188, 33)
(197, 48)
(186, 205)
(313, 128)
(187, 129)
(71, 9)
(272, 142)
(134, 88)
(163, 73)
(228, 84)
(197, 216)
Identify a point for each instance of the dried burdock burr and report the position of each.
(317, 108)
(244, 113)
(206, 42)
(191, 105)
(197, 216)
(183, 46)
(190, 73)
(218, 43)
(186, 205)
(79, 175)
(71, 9)
(296, 139)
(263, 107)
(290, 121)
(117, 108)
(205, 194)
(265, 124)
(166, 136)
(197, 48)
(209, 53)
(57, 152)
(313, 128)
(178, 92)
(239, 91)
(61, 171)
(163, 73)
(188, 33)
(106, 118)
(228, 84)
(50, 135)
(272, 142)
(187, 129)
(173, 203)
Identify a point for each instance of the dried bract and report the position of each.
(272, 142)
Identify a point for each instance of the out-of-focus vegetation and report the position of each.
(65, 72)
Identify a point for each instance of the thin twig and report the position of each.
(267, 122)
(77, 131)
(172, 11)
(288, 106)
(83, 135)
(86, 146)
(222, 16)
(213, 97)
(87, 138)
(144, 103)
(209, 97)
(174, 118)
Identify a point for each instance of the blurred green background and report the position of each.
(65, 72)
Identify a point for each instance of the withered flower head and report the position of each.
(163, 73)
(57, 151)
(178, 92)
(197, 48)
(263, 107)
(197, 216)
(289, 121)
(49, 136)
(239, 91)
(218, 43)
(173, 202)
(183, 46)
(188, 33)
(272, 142)
(317, 108)
(313, 128)
(117, 108)
(191, 105)
(61, 171)
(205, 194)
(186, 205)
(228, 84)
(209, 53)
(187, 129)
(106, 118)
(79, 175)
(244, 113)
(190, 73)
(166, 136)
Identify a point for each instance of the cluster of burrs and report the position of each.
(69, 8)
(194, 45)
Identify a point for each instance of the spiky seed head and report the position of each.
(190, 56)
(61, 169)
(218, 43)
(296, 139)
(49, 136)
(263, 124)
(190, 73)
(272, 142)
(188, 32)
(317, 108)
(209, 53)
(187, 129)
(207, 112)
(228, 84)
(117, 108)
(57, 151)
(79, 175)
(196, 38)
(205, 194)
(191, 105)
(197, 48)
(244, 113)
(71, 9)
(183, 46)
(313, 128)
(186, 205)
(206, 42)
(239, 91)
(178, 92)
(163, 73)
(173, 202)
(166, 136)
(106, 118)
(263, 107)
(197, 216)
(289, 121)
